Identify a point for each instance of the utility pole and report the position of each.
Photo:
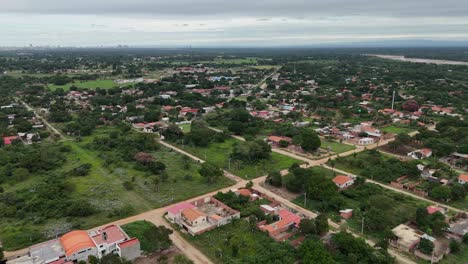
(305, 199)
(229, 164)
(362, 226)
(393, 99)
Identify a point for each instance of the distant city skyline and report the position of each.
(211, 23)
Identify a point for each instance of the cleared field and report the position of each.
(397, 129)
(239, 242)
(103, 84)
(336, 147)
(219, 154)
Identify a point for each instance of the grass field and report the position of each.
(253, 245)
(397, 129)
(185, 127)
(18, 74)
(137, 229)
(336, 147)
(220, 61)
(218, 153)
(359, 170)
(399, 208)
(103, 188)
(103, 84)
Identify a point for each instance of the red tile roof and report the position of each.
(244, 192)
(113, 233)
(432, 209)
(179, 207)
(341, 179)
(129, 243)
(463, 177)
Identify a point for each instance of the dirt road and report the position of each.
(389, 187)
(48, 125)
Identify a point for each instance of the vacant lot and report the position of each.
(336, 147)
(397, 129)
(103, 84)
(103, 187)
(219, 154)
(242, 242)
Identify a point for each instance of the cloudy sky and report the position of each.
(228, 22)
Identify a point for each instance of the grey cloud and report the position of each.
(253, 8)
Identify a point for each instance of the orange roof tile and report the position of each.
(244, 192)
(463, 177)
(76, 241)
(192, 214)
(341, 179)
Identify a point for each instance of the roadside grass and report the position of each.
(102, 83)
(336, 147)
(219, 154)
(396, 129)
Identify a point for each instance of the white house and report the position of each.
(343, 181)
(366, 141)
(420, 153)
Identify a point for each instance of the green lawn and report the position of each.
(218, 153)
(185, 127)
(103, 84)
(336, 147)
(396, 129)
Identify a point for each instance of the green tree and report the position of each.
(93, 260)
(321, 224)
(454, 246)
(426, 246)
(274, 178)
(210, 172)
(465, 238)
(157, 238)
(113, 259)
(249, 185)
(442, 193)
(312, 251)
(181, 259)
(310, 141)
(307, 226)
